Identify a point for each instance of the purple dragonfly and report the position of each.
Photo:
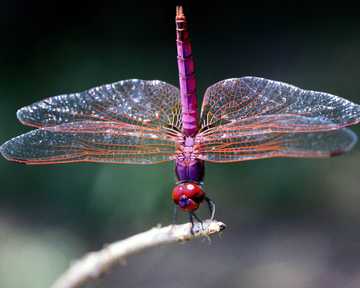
(147, 122)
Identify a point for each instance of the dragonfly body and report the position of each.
(146, 122)
(188, 166)
(189, 169)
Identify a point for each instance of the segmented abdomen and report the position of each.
(186, 76)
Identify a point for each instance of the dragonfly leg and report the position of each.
(174, 215)
(211, 205)
(198, 219)
(191, 218)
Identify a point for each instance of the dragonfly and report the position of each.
(147, 122)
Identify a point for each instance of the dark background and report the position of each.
(291, 222)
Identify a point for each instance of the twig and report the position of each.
(94, 264)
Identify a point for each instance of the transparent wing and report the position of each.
(232, 147)
(268, 124)
(89, 141)
(138, 102)
(271, 106)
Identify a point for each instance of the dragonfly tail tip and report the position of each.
(180, 13)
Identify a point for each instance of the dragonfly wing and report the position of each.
(138, 102)
(89, 141)
(258, 99)
(240, 147)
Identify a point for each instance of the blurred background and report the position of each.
(291, 222)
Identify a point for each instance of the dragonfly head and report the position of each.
(188, 196)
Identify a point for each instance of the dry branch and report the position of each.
(94, 264)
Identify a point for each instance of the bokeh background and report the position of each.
(291, 222)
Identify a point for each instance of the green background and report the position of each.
(291, 222)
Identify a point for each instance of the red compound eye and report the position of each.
(188, 196)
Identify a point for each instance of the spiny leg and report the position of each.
(191, 218)
(197, 217)
(211, 205)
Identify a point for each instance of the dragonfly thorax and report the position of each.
(188, 196)
(188, 166)
(187, 149)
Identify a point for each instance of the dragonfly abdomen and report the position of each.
(187, 79)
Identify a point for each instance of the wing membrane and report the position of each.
(90, 142)
(257, 146)
(138, 102)
(260, 100)
(269, 124)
